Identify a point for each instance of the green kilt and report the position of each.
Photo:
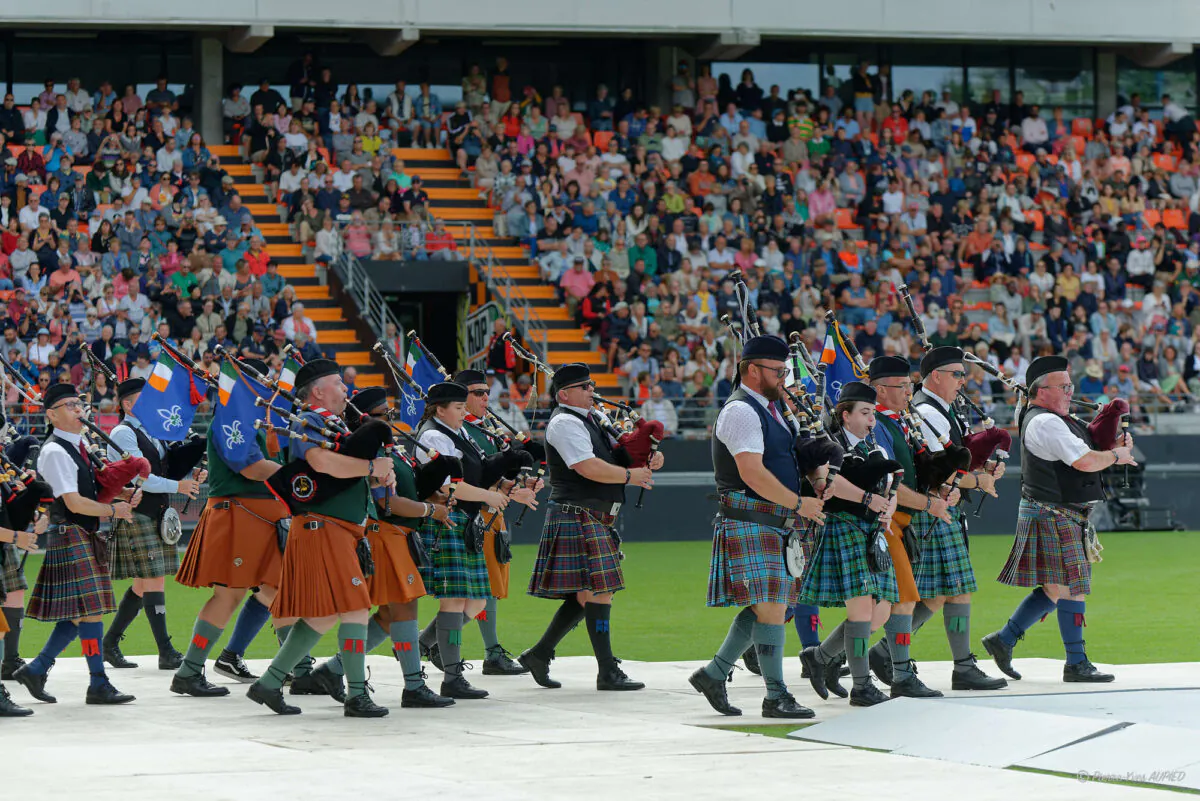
(945, 565)
(73, 582)
(748, 565)
(578, 551)
(137, 551)
(454, 571)
(838, 569)
(1048, 549)
(12, 577)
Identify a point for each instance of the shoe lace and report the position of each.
(417, 674)
(778, 687)
(967, 661)
(726, 667)
(499, 652)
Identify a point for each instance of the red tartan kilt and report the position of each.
(577, 552)
(72, 582)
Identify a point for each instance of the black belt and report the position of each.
(601, 508)
(751, 516)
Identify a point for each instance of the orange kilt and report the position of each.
(497, 573)
(321, 576)
(904, 574)
(396, 579)
(232, 546)
(3, 625)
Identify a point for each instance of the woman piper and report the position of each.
(457, 572)
(840, 571)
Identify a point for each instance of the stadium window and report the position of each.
(934, 69)
(1178, 79)
(1058, 76)
(788, 76)
(988, 70)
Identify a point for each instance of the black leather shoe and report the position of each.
(10, 667)
(271, 699)
(1002, 652)
(972, 678)
(232, 666)
(499, 662)
(912, 687)
(458, 687)
(114, 657)
(611, 677)
(539, 668)
(170, 659)
(814, 670)
(35, 683)
(196, 686)
(881, 664)
(867, 695)
(8, 709)
(361, 706)
(833, 672)
(423, 698)
(714, 691)
(107, 695)
(750, 660)
(785, 706)
(320, 681)
(1085, 672)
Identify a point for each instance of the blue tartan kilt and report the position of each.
(454, 570)
(1048, 549)
(137, 551)
(12, 577)
(945, 565)
(747, 565)
(73, 582)
(578, 551)
(838, 569)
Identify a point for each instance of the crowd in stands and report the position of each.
(1019, 232)
(118, 223)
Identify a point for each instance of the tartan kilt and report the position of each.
(453, 571)
(1048, 549)
(945, 566)
(136, 550)
(72, 582)
(578, 551)
(838, 570)
(12, 578)
(747, 565)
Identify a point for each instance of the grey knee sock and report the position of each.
(429, 636)
(375, 636)
(957, 619)
(858, 634)
(898, 633)
(834, 644)
(741, 634)
(920, 616)
(769, 639)
(449, 641)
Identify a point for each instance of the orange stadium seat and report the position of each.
(1082, 126)
(1174, 219)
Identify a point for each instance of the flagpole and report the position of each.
(416, 340)
(184, 360)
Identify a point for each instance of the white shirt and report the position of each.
(290, 181)
(343, 181)
(1048, 437)
(738, 427)
(78, 100)
(1174, 112)
(126, 440)
(289, 328)
(438, 441)
(569, 436)
(933, 416)
(29, 216)
(56, 465)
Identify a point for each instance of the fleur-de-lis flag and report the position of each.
(168, 402)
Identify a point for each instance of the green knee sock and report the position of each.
(375, 636)
(858, 634)
(487, 627)
(899, 637)
(834, 644)
(204, 637)
(353, 639)
(404, 646)
(769, 639)
(741, 634)
(957, 618)
(306, 663)
(301, 638)
(449, 641)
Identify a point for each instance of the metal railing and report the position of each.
(372, 307)
(505, 290)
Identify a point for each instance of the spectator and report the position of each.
(663, 410)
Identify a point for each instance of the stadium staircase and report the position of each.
(336, 335)
(501, 269)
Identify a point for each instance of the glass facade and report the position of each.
(1178, 79)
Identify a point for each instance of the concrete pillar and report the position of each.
(1106, 83)
(661, 61)
(210, 88)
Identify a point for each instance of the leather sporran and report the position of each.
(366, 562)
(283, 527)
(912, 544)
(1091, 543)
(793, 555)
(879, 559)
(416, 549)
(473, 534)
(503, 546)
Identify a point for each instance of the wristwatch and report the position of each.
(867, 499)
(628, 475)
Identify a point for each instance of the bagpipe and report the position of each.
(25, 493)
(112, 477)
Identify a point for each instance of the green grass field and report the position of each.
(1141, 592)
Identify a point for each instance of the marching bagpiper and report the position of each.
(1059, 485)
(139, 550)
